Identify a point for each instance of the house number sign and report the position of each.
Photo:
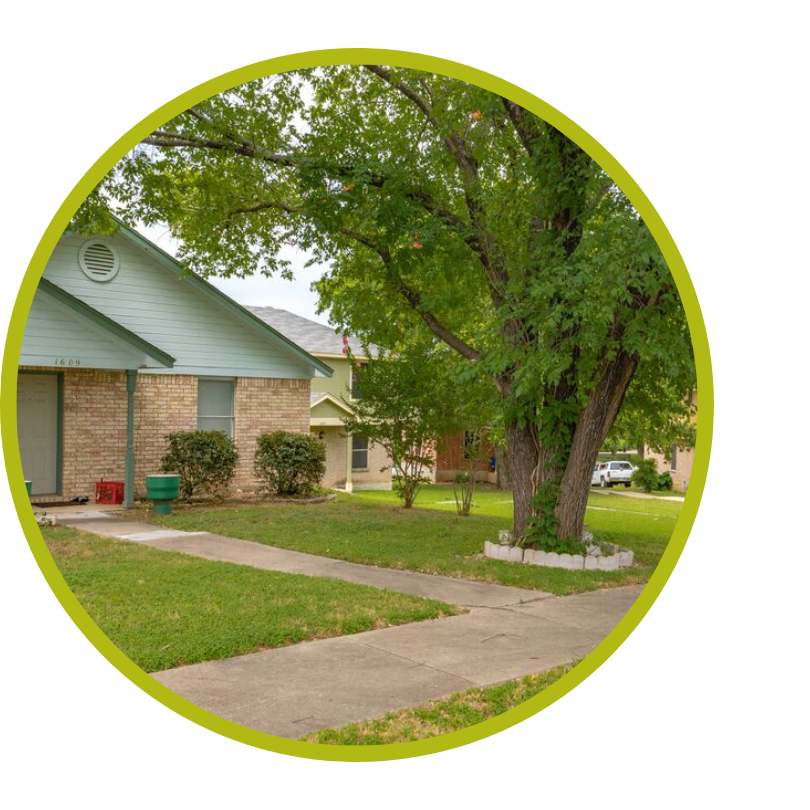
(67, 361)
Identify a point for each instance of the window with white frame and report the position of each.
(215, 406)
(359, 452)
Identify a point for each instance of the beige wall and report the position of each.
(337, 448)
(680, 476)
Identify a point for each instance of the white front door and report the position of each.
(37, 430)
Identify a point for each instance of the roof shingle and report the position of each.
(312, 337)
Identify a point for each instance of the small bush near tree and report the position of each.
(205, 460)
(646, 475)
(290, 464)
(464, 482)
(664, 481)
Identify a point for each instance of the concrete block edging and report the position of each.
(596, 561)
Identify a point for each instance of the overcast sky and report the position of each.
(294, 296)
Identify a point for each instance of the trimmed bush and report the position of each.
(290, 464)
(665, 481)
(205, 460)
(646, 476)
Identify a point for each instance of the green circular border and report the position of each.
(8, 406)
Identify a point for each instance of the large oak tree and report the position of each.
(442, 208)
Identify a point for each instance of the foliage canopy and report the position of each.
(445, 211)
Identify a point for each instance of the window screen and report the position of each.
(215, 406)
(359, 453)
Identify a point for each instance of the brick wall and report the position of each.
(336, 444)
(95, 430)
(164, 404)
(680, 476)
(261, 406)
(374, 477)
(450, 460)
(95, 423)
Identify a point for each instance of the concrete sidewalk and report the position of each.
(292, 691)
(296, 690)
(644, 496)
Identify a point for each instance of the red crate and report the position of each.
(110, 492)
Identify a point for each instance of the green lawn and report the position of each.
(164, 609)
(370, 527)
(459, 711)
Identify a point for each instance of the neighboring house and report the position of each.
(122, 347)
(453, 458)
(679, 463)
(351, 461)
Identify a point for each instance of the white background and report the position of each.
(705, 105)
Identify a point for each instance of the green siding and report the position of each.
(56, 336)
(338, 384)
(327, 410)
(169, 311)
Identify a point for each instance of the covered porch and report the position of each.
(76, 386)
(351, 460)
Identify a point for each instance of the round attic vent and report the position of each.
(98, 261)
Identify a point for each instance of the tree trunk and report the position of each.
(523, 453)
(593, 426)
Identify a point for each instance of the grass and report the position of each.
(370, 527)
(164, 609)
(660, 493)
(459, 711)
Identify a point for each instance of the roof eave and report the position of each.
(111, 326)
(247, 317)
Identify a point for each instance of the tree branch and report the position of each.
(414, 298)
(173, 140)
(481, 242)
(406, 90)
(517, 115)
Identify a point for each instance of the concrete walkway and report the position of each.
(641, 495)
(243, 552)
(291, 691)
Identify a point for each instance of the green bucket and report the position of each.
(163, 489)
(28, 487)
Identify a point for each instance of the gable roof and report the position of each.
(314, 337)
(319, 397)
(122, 333)
(247, 317)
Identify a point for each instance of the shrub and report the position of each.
(462, 478)
(205, 460)
(664, 481)
(646, 475)
(290, 464)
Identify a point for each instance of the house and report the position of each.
(351, 461)
(458, 453)
(122, 347)
(679, 461)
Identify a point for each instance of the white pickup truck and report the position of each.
(610, 473)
